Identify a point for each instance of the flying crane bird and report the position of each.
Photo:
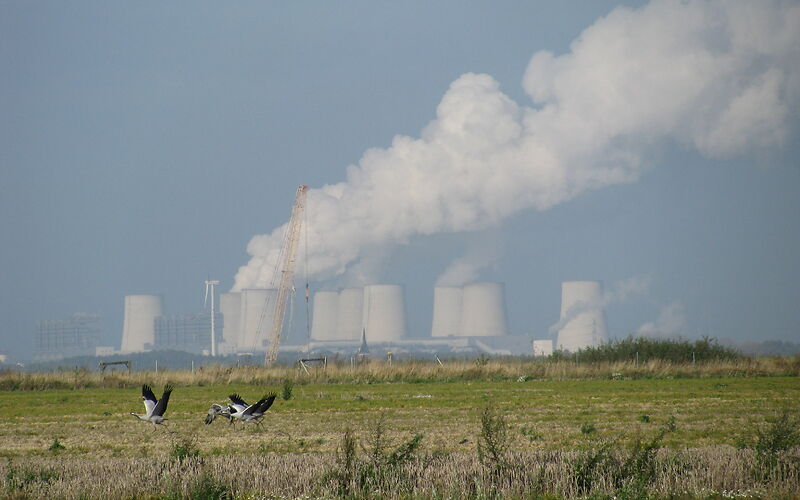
(217, 410)
(154, 409)
(240, 410)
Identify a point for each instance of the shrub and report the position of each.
(639, 468)
(773, 442)
(587, 465)
(288, 386)
(646, 349)
(382, 470)
(493, 440)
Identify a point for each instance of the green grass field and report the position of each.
(96, 421)
(82, 442)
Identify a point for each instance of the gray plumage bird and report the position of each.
(240, 410)
(154, 408)
(217, 410)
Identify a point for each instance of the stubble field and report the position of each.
(53, 441)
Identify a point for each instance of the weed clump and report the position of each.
(20, 479)
(184, 448)
(493, 440)
(630, 473)
(380, 469)
(772, 444)
(56, 446)
(288, 386)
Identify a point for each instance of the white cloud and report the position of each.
(721, 76)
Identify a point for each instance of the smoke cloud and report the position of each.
(671, 322)
(721, 77)
(620, 292)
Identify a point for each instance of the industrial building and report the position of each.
(188, 332)
(466, 319)
(138, 333)
(76, 336)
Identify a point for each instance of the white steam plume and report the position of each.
(720, 76)
(671, 322)
(483, 253)
(620, 292)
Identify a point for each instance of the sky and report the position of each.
(147, 146)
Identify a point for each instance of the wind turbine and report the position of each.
(210, 284)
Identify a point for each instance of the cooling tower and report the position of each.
(255, 303)
(326, 311)
(230, 305)
(483, 310)
(542, 347)
(138, 329)
(384, 313)
(447, 302)
(582, 315)
(350, 314)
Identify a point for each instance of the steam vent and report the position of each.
(582, 315)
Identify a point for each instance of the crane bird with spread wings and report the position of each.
(217, 410)
(154, 408)
(240, 410)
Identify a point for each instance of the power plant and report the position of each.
(255, 318)
(468, 318)
(447, 302)
(138, 330)
(582, 315)
(76, 336)
(484, 310)
(465, 318)
(384, 313)
(350, 314)
(325, 320)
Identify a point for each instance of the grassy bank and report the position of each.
(407, 371)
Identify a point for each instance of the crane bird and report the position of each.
(240, 410)
(217, 410)
(154, 408)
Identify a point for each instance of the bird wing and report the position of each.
(237, 400)
(252, 408)
(267, 402)
(161, 406)
(149, 399)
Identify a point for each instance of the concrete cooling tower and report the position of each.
(384, 313)
(326, 311)
(350, 314)
(256, 302)
(483, 310)
(138, 328)
(230, 305)
(447, 311)
(582, 315)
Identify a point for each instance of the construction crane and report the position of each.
(287, 258)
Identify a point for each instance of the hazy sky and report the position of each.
(653, 147)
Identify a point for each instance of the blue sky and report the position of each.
(143, 145)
